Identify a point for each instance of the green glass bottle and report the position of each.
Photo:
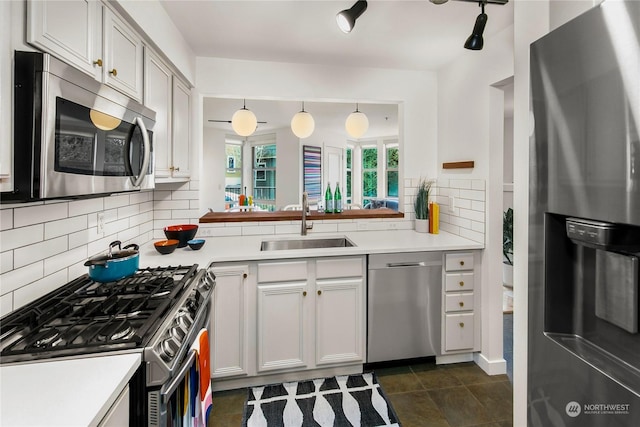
(328, 200)
(337, 200)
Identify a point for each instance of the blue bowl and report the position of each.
(195, 244)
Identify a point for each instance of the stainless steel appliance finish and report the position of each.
(75, 137)
(157, 312)
(404, 306)
(310, 243)
(584, 222)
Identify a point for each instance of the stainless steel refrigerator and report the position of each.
(584, 222)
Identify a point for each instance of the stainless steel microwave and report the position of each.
(74, 137)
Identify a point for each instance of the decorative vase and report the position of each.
(507, 275)
(422, 225)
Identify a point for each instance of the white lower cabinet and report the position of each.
(118, 414)
(459, 329)
(229, 321)
(286, 316)
(283, 311)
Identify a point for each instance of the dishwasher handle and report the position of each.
(405, 264)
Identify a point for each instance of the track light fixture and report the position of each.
(347, 18)
(244, 122)
(475, 40)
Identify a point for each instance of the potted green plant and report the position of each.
(421, 206)
(507, 247)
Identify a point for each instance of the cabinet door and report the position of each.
(181, 151)
(6, 106)
(70, 30)
(123, 57)
(282, 321)
(339, 321)
(459, 329)
(158, 85)
(118, 414)
(228, 327)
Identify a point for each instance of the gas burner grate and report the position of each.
(85, 316)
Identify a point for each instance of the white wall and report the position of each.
(466, 127)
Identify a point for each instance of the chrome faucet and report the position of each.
(305, 210)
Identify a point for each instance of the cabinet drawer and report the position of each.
(458, 282)
(459, 331)
(461, 261)
(282, 271)
(458, 302)
(338, 267)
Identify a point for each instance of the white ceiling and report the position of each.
(416, 35)
(400, 34)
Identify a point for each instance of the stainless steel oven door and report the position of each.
(94, 140)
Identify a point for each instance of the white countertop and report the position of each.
(247, 248)
(72, 392)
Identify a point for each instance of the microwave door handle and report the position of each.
(136, 181)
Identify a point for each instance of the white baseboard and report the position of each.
(491, 367)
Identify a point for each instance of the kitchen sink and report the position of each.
(292, 244)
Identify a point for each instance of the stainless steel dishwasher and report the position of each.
(403, 305)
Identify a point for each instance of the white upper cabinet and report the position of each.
(70, 30)
(75, 31)
(171, 100)
(122, 68)
(158, 84)
(181, 144)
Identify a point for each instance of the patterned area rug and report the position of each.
(343, 401)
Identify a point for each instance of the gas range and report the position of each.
(152, 311)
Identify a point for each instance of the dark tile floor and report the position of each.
(423, 395)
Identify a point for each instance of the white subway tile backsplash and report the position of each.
(142, 196)
(171, 204)
(39, 214)
(478, 184)
(463, 204)
(18, 237)
(116, 201)
(129, 235)
(162, 195)
(127, 211)
(185, 214)
(258, 230)
(146, 206)
(287, 228)
(115, 226)
(477, 205)
(141, 218)
(472, 235)
(460, 183)
(184, 195)
(39, 251)
(473, 215)
(472, 194)
(83, 207)
(162, 214)
(60, 261)
(19, 277)
(26, 294)
(65, 226)
(6, 219)
(477, 226)
(6, 261)
(6, 304)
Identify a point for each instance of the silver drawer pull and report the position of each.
(406, 264)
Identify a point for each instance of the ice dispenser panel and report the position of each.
(616, 289)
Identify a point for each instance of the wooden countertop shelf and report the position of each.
(256, 216)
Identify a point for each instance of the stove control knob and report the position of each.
(184, 320)
(177, 333)
(168, 349)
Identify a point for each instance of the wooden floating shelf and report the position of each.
(459, 165)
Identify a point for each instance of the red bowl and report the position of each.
(166, 246)
(182, 233)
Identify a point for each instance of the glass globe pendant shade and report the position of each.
(357, 124)
(302, 124)
(244, 122)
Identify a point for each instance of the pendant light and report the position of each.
(302, 123)
(356, 124)
(475, 40)
(244, 122)
(347, 18)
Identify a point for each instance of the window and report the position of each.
(264, 175)
(233, 173)
(391, 166)
(348, 195)
(369, 174)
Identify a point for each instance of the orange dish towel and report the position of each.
(201, 347)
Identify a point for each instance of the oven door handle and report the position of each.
(167, 390)
(136, 181)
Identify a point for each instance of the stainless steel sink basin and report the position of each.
(331, 242)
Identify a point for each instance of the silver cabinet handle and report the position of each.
(136, 181)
